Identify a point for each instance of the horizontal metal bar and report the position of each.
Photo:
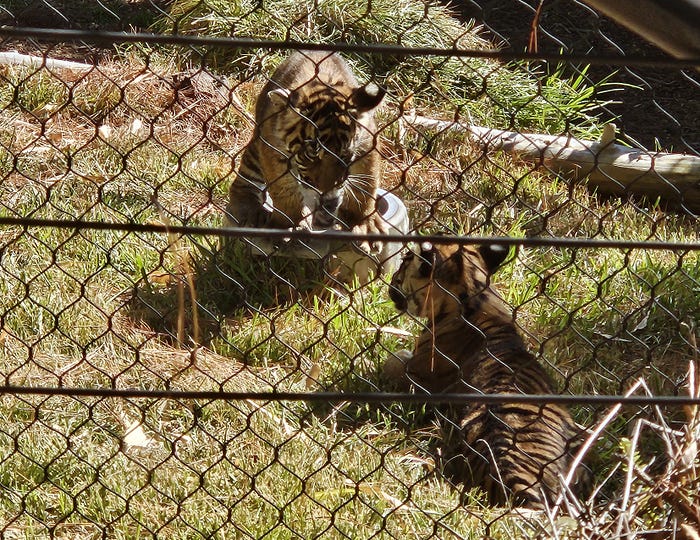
(355, 397)
(57, 34)
(299, 234)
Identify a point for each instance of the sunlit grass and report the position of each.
(520, 96)
(103, 309)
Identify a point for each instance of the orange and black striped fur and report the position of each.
(516, 452)
(313, 160)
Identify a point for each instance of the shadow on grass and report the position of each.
(107, 14)
(215, 284)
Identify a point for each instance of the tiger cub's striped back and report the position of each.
(312, 161)
(516, 452)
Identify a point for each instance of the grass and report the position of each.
(522, 97)
(115, 309)
(659, 461)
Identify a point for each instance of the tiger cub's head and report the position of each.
(438, 280)
(327, 128)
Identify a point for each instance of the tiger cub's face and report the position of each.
(322, 140)
(437, 280)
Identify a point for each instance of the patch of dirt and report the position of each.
(106, 15)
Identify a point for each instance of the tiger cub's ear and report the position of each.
(493, 256)
(367, 97)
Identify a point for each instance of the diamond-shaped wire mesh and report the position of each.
(167, 373)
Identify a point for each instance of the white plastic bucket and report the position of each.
(393, 212)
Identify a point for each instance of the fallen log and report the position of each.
(16, 58)
(602, 165)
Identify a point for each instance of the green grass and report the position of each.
(186, 486)
(102, 309)
(521, 97)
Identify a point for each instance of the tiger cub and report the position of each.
(516, 452)
(313, 160)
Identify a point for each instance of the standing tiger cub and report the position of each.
(516, 452)
(313, 160)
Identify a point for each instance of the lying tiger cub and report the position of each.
(516, 452)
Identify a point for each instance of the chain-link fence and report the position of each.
(173, 367)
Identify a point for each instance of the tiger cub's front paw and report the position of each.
(374, 225)
(247, 215)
